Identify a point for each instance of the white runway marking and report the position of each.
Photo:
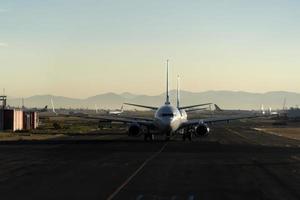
(295, 158)
(115, 193)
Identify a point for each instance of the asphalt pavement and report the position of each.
(233, 162)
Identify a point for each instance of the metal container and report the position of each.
(13, 120)
(26, 121)
(30, 120)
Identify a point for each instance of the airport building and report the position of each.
(16, 119)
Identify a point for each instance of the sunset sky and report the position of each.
(80, 48)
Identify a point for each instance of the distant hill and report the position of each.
(225, 99)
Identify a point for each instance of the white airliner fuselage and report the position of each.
(169, 118)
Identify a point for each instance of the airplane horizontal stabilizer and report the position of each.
(142, 106)
(193, 106)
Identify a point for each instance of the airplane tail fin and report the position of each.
(218, 108)
(284, 104)
(53, 109)
(96, 108)
(178, 91)
(122, 108)
(263, 109)
(167, 85)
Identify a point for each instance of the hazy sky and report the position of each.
(86, 47)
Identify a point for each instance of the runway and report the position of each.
(234, 162)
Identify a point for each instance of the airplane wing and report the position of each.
(142, 106)
(127, 120)
(194, 122)
(138, 118)
(193, 106)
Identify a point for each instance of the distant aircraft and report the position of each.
(96, 108)
(116, 112)
(53, 109)
(269, 112)
(170, 119)
(45, 109)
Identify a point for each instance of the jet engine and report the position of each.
(202, 130)
(134, 130)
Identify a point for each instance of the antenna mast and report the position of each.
(3, 99)
(167, 92)
(178, 91)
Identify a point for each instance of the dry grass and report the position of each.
(16, 136)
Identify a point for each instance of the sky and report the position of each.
(81, 48)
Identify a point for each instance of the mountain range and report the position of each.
(225, 99)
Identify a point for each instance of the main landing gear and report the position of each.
(148, 136)
(187, 134)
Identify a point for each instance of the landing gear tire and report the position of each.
(187, 135)
(148, 136)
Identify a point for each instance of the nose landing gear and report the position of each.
(168, 136)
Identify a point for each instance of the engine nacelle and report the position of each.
(134, 130)
(202, 130)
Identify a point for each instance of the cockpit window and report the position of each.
(167, 115)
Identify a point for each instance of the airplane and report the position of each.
(116, 112)
(269, 111)
(169, 119)
(45, 109)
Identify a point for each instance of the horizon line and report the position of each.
(173, 90)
